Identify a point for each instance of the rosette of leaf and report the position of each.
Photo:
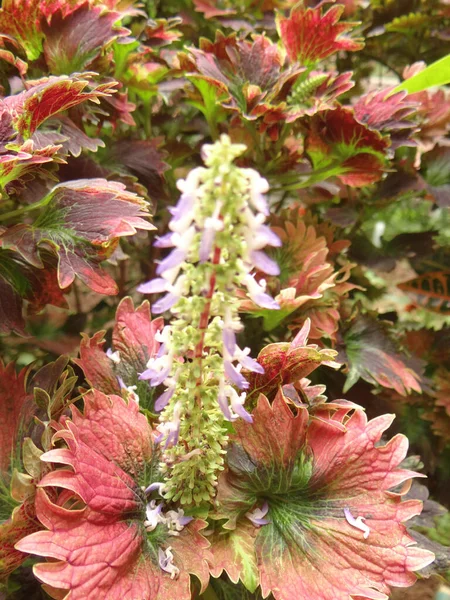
(70, 35)
(310, 35)
(390, 114)
(81, 223)
(338, 145)
(117, 370)
(107, 537)
(249, 77)
(309, 284)
(309, 507)
(246, 76)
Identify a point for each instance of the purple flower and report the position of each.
(114, 356)
(163, 400)
(256, 516)
(250, 363)
(183, 207)
(264, 263)
(184, 520)
(153, 487)
(222, 400)
(155, 286)
(165, 241)
(164, 303)
(267, 237)
(265, 301)
(165, 561)
(241, 412)
(173, 259)
(234, 376)
(229, 340)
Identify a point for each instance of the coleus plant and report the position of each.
(207, 452)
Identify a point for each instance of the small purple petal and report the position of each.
(173, 259)
(164, 303)
(165, 241)
(233, 375)
(265, 301)
(158, 379)
(121, 383)
(229, 339)
(183, 521)
(155, 286)
(163, 400)
(251, 364)
(153, 487)
(264, 263)
(269, 236)
(172, 438)
(184, 206)
(262, 512)
(259, 522)
(223, 404)
(163, 560)
(240, 410)
(162, 350)
(158, 439)
(148, 374)
(206, 245)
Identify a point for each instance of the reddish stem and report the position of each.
(204, 317)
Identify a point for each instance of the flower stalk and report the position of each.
(217, 233)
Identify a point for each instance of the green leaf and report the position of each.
(438, 73)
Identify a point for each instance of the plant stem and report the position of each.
(24, 209)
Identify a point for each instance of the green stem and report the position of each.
(24, 209)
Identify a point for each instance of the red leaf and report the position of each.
(310, 34)
(370, 353)
(50, 96)
(10, 309)
(103, 551)
(310, 478)
(234, 552)
(134, 339)
(24, 163)
(97, 367)
(210, 10)
(73, 42)
(22, 523)
(142, 158)
(22, 19)
(338, 141)
(81, 223)
(62, 130)
(14, 410)
(134, 334)
(286, 363)
(7, 55)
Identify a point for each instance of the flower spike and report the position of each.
(217, 234)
